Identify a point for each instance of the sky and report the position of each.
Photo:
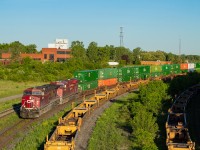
(149, 24)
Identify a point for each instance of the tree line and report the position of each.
(103, 54)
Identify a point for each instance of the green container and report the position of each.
(156, 68)
(144, 69)
(156, 74)
(124, 78)
(136, 69)
(88, 85)
(126, 74)
(125, 71)
(145, 76)
(86, 75)
(166, 68)
(184, 71)
(107, 73)
(197, 65)
(175, 67)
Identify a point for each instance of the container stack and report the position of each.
(156, 71)
(184, 67)
(175, 69)
(166, 69)
(197, 67)
(88, 79)
(144, 72)
(125, 74)
(190, 67)
(107, 77)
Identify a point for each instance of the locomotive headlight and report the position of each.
(30, 97)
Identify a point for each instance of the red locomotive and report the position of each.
(40, 99)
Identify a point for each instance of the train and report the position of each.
(178, 137)
(40, 99)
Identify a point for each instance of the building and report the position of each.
(155, 62)
(56, 52)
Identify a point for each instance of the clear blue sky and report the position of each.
(149, 24)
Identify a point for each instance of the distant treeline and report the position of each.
(98, 54)
(92, 57)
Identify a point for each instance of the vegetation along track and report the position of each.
(13, 132)
(9, 111)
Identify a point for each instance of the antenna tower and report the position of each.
(121, 37)
(179, 46)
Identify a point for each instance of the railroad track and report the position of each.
(9, 111)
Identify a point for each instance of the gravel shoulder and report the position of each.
(89, 122)
(10, 98)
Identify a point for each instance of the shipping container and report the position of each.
(145, 76)
(107, 82)
(156, 74)
(125, 78)
(191, 67)
(175, 67)
(197, 65)
(86, 75)
(144, 69)
(107, 73)
(166, 68)
(88, 85)
(156, 68)
(184, 66)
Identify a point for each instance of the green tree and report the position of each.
(136, 55)
(144, 130)
(78, 50)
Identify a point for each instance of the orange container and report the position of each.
(107, 82)
(184, 66)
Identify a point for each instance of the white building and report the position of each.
(59, 44)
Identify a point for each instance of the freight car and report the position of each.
(40, 99)
(178, 137)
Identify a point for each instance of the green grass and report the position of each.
(9, 120)
(111, 130)
(9, 88)
(9, 104)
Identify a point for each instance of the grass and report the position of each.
(111, 130)
(9, 88)
(9, 120)
(9, 104)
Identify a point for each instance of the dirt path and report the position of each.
(10, 98)
(83, 136)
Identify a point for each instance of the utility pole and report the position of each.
(121, 37)
(179, 47)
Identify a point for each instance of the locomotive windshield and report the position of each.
(33, 93)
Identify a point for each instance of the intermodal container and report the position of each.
(197, 65)
(88, 85)
(175, 67)
(86, 75)
(191, 67)
(156, 74)
(144, 69)
(144, 76)
(107, 82)
(125, 78)
(156, 68)
(184, 66)
(107, 73)
(166, 68)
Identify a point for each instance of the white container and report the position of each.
(191, 67)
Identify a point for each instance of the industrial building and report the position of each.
(56, 52)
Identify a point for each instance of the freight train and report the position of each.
(40, 99)
(178, 137)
